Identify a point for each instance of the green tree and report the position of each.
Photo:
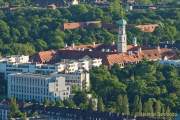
(24, 116)
(69, 103)
(157, 107)
(137, 106)
(100, 105)
(59, 103)
(120, 104)
(46, 102)
(117, 9)
(145, 1)
(93, 104)
(148, 106)
(41, 45)
(4, 30)
(14, 109)
(80, 97)
(125, 105)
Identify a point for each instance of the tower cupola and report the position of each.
(122, 37)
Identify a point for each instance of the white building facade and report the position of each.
(70, 66)
(80, 78)
(28, 87)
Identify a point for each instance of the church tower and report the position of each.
(122, 37)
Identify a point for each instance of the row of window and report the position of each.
(29, 97)
(33, 90)
(29, 81)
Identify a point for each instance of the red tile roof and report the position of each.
(76, 25)
(70, 26)
(147, 28)
(109, 58)
(149, 54)
(121, 58)
(43, 57)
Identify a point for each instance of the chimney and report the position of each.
(94, 44)
(158, 48)
(135, 41)
(73, 45)
(139, 50)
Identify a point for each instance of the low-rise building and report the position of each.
(80, 78)
(8, 68)
(84, 63)
(16, 59)
(26, 86)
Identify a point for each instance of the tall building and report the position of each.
(28, 87)
(122, 37)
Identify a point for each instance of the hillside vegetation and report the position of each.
(39, 29)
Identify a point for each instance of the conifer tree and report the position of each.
(135, 104)
(167, 110)
(125, 105)
(148, 106)
(139, 107)
(157, 107)
(100, 105)
(46, 102)
(119, 104)
(162, 108)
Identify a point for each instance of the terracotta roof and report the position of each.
(70, 26)
(147, 28)
(121, 58)
(108, 58)
(76, 25)
(150, 54)
(44, 56)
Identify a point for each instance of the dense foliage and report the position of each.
(27, 30)
(143, 88)
(148, 89)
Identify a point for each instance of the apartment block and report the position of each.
(38, 87)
